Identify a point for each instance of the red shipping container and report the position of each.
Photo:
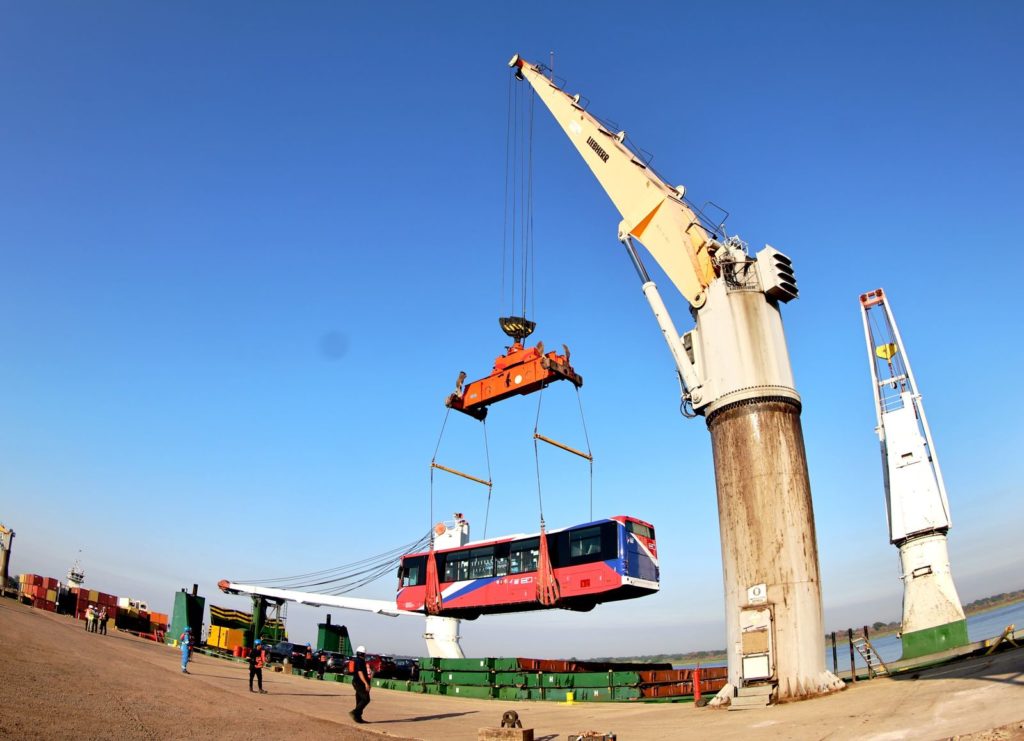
(36, 579)
(51, 583)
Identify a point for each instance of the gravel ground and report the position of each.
(58, 681)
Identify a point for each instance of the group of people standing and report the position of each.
(96, 619)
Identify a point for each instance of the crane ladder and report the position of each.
(876, 667)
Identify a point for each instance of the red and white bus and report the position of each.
(601, 561)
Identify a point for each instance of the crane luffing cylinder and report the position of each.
(736, 370)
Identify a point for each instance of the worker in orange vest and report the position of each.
(257, 659)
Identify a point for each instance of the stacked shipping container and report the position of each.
(554, 680)
(541, 679)
(39, 591)
(226, 638)
(98, 600)
(44, 592)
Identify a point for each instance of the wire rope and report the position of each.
(590, 453)
(433, 460)
(490, 479)
(536, 455)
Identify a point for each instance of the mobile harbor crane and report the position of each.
(734, 370)
(915, 494)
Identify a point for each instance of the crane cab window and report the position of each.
(523, 556)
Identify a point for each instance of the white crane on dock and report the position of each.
(735, 372)
(915, 494)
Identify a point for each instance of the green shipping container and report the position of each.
(435, 689)
(476, 678)
(510, 679)
(593, 694)
(534, 679)
(480, 693)
(625, 693)
(606, 679)
(464, 665)
(557, 679)
(504, 664)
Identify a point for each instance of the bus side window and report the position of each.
(524, 556)
(481, 565)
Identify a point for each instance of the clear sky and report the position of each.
(246, 248)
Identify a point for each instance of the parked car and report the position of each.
(336, 663)
(382, 667)
(293, 652)
(407, 669)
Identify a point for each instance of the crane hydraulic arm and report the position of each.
(735, 371)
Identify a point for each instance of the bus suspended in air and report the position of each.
(601, 561)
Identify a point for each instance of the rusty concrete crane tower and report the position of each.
(915, 495)
(735, 371)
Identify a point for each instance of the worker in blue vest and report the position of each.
(186, 648)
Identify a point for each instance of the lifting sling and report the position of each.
(548, 593)
(433, 601)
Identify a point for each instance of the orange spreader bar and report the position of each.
(522, 370)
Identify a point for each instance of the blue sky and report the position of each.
(247, 247)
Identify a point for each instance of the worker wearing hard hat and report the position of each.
(361, 684)
(186, 648)
(257, 658)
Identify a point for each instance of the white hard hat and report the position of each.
(360, 649)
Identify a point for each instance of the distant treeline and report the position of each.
(690, 658)
(979, 605)
(877, 628)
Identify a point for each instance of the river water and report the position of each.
(981, 625)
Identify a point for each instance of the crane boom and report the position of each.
(441, 633)
(652, 211)
(361, 604)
